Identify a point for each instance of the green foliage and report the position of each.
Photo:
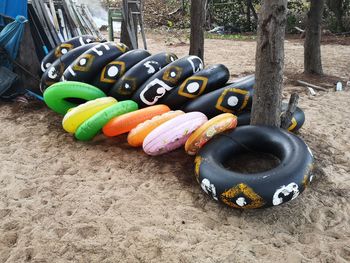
(296, 16)
(234, 13)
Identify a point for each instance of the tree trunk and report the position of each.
(337, 7)
(249, 22)
(312, 44)
(198, 8)
(269, 63)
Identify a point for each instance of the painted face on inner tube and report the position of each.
(90, 63)
(64, 48)
(135, 77)
(166, 79)
(117, 68)
(55, 71)
(233, 98)
(204, 81)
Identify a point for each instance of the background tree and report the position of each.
(269, 63)
(339, 8)
(312, 44)
(198, 14)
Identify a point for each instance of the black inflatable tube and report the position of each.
(166, 79)
(91, 62)
(297, 122)
(54, 73)
(204, 81)
(117, 68)
(127, 85)
(64, 48)
(233, 98)
(274, 187)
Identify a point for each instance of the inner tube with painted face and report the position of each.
(259, 190)
(54, 73)
(204, 81)
(117, 68)
(166, 79)
(296, 123)
(57, 96)
(64, 48)
(126, 86)
(234, 98)
(91, 62)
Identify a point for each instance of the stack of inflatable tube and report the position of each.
(163, 103)
(159, 130)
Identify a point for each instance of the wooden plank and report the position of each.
(40, 38)
(84, 28)
(62, 23)
(71, 17)
(88, 14)
(49, 24)
(58, 33)
(54, 16)
(303, 83)
(40, 16)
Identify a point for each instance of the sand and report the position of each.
(68, 201)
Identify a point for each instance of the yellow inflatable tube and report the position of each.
(76, 116)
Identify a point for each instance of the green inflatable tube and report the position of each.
(91, 127)
(55, 96)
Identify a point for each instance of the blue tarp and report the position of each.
(11, 36)
(12, 8)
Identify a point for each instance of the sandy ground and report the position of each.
(63, 200)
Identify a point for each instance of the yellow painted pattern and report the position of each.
(122, 47)
(167, 74)
(235, 90)
(120, 73)
(242, 189)
(306, 180)
(197, 163)
(132, 83)
(183, 93)
(293, 125)
(89, 58)
(58, 52)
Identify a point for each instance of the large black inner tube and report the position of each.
(64, 48)
(127, 85)
(270, 188)
(117, 68)
(209, 79)
(91, 62)
(54, 73)
(162, 83)
(233, 98)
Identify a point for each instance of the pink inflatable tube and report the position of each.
(173, 133)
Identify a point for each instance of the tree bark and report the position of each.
(312, 44)
(269, 63)
(198, 10)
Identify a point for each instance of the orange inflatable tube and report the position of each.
(127, 122)
(208, 130)
(138, 134)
